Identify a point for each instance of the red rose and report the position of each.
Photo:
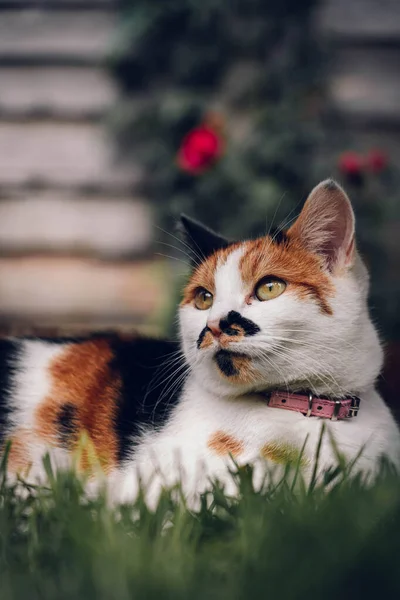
(376, 161)
(350, 163)
(200, 148)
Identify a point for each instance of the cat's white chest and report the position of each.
(205, 432)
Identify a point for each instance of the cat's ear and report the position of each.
(326, 225)
(200, 240)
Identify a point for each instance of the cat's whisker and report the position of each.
(276, 368)
(169, 389)
(167, 382)
(199, 258)
(289, 219)
(171, 257)
(308, 344)
(162, 370)
(189, 257)
(275, 345)
(166, 377)
(329, 336)
(275, 213)
(325, 378)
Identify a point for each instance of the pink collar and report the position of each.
(315, 406)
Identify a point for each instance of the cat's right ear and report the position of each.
(201, 241)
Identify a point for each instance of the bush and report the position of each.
(251, 71)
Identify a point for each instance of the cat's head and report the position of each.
(282, 310)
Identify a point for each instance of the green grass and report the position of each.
(290, 542)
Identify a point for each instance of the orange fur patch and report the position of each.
(83, 381)
(225, 340)
(222, 443)
(207, 340)
(282, 453)
(302, 270)
(244, 368)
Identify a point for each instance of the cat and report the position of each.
(276, 340)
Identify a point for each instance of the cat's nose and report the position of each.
(214, 327)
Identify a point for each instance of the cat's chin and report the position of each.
(234, 365)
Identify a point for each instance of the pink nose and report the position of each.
(214, 327)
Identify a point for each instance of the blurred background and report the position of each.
(115, 116)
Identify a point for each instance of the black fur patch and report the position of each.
(200, 239)
(150, 389)
(231, 332)
(8, 357)
(331, 185)
(279, 236)
(234, 318)
(67, 425)
(201, 336)
(225, 363)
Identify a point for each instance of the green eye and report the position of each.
(203, 299)
(269, 288)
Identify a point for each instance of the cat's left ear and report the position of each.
(326, 225)
(201, 240)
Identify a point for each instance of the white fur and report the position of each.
(30, 386)
(31, 382)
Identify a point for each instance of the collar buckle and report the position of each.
(354, 408)
(310, 406)
(336, 409)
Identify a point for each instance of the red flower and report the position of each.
(376, 161)
(200, 149)
(350, 163)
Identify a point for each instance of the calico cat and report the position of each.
(276, 339)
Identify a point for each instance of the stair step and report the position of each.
(360, 21)
(66, 92)
(38, 288)
(58, 4)
(61, 154)
(65, 223)
(39, 36)
(365, 83)
(48, 327)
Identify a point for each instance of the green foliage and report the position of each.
(337, 538)
(258, 65)
(254, 62)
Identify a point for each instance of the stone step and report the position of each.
(47, 326)
(62, 93)
(40, 36)
(365, 83)
(360, 21)
(58, 4)
(55, 289)
(61, 154)
(65, 223)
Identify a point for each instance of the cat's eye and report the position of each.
(203, 299)
(269, 288)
